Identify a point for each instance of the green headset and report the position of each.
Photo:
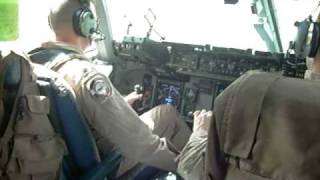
(83, 21)
(307, 40)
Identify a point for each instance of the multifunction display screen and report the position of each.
(169, 93)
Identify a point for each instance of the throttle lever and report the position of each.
(137, 106)
(138, 89)
(190, 115)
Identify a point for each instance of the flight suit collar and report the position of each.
(63, 45)
(312, 75)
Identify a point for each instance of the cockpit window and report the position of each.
(28, 24)
(193, 22)
(8, 20)
(23, 23)
(290, 11)
(205, 21)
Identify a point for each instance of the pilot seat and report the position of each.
(82, 161)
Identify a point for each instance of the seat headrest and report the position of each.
(13, 74)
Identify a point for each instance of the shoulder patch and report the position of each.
(100, 87)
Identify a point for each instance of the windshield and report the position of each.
(204, 21)
(32, 27)
(290, 11)
(9, 20)
(194, 22)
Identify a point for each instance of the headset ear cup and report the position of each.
(76, 21)
(301, 44)
(315, 41)
(84, 23)
(49, 22)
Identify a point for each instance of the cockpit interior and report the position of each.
(180, 53)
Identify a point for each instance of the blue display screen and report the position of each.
(169, 93)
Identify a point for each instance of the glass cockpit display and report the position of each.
(169, 93)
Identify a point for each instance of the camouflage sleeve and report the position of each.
(113, 119)
(192, 158)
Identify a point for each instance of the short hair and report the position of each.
(61, 14)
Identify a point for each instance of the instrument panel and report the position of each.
(222, 61)
(190, 77)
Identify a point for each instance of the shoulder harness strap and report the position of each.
(60, 60)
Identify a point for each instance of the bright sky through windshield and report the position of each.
(186, 21)
(33, 26)
(203, 21)
(290, 11)
(197, 22)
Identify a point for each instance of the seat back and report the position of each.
(65, 115)
(12, 75)
(83, 154)
(27, 136)
(83, 160)
(11, 79)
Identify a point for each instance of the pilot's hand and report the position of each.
(201, 121)
(133, 97)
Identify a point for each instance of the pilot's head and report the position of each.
(73, 22)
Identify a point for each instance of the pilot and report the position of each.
(264, 126)
(313, 60)
(155, 138)
(192, 158)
